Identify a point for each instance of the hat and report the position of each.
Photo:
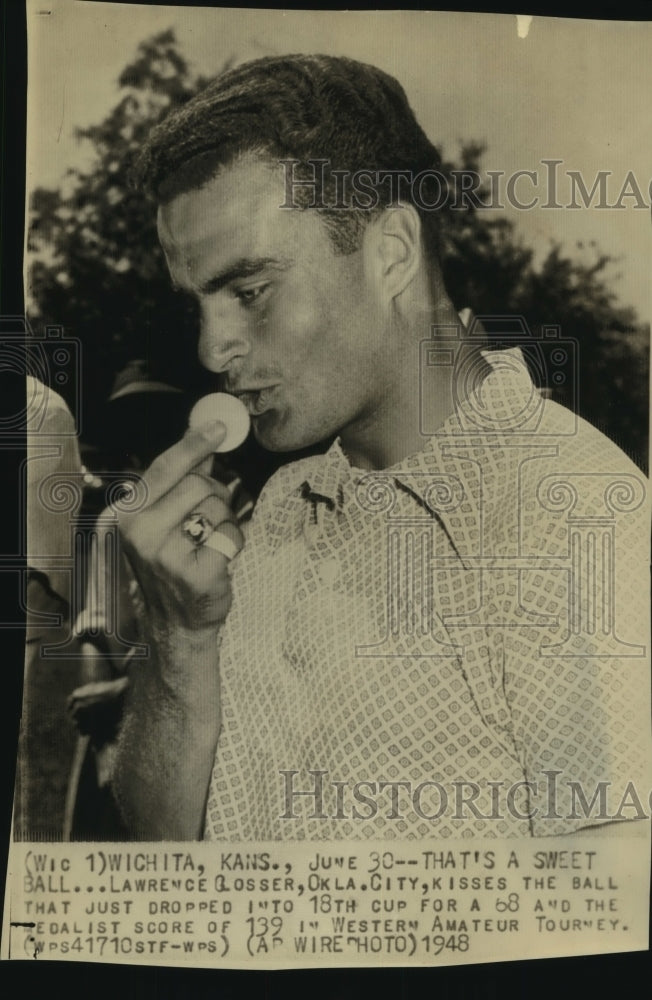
(135, 377)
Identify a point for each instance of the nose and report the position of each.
(223, 337)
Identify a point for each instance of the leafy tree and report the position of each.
(99, 269)
(489, 268)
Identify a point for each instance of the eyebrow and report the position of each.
(246, 267)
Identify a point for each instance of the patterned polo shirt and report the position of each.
(455, 646)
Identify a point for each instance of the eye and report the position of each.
(249, 296)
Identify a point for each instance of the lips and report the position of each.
(255, 400)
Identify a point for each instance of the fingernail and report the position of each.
(214, 431)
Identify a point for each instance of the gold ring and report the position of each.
(197, 528)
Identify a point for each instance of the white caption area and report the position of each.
(302, 905)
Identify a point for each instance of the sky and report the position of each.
(571, 90)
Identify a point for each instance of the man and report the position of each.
(420, 641)
(52, 493)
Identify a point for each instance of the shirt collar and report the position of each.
(327, 481)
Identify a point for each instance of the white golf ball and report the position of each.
(229, 410)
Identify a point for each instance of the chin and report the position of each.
(280, 442)
(275, 435)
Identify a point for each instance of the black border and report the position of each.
(13, 90)
(594, 976)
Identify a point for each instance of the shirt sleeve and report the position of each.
(52, 455)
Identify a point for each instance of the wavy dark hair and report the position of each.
(301, 108)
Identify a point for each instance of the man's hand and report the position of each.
(172, 720)
(186, 587)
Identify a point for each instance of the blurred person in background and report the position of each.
(52, 484)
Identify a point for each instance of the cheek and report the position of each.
(303, 331)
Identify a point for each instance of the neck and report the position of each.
(417, 398)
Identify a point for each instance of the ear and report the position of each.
(394, 251)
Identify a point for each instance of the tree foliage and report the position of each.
(489, 268)
(98, 270)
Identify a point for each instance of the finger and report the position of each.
(147, 530)
(194, 493)
(242, 504)
(224, 544)
(190, 482)
(226, 539)
(170, 467)
(199, 577)
(205, 467)
(142, 520)
(213, 509)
